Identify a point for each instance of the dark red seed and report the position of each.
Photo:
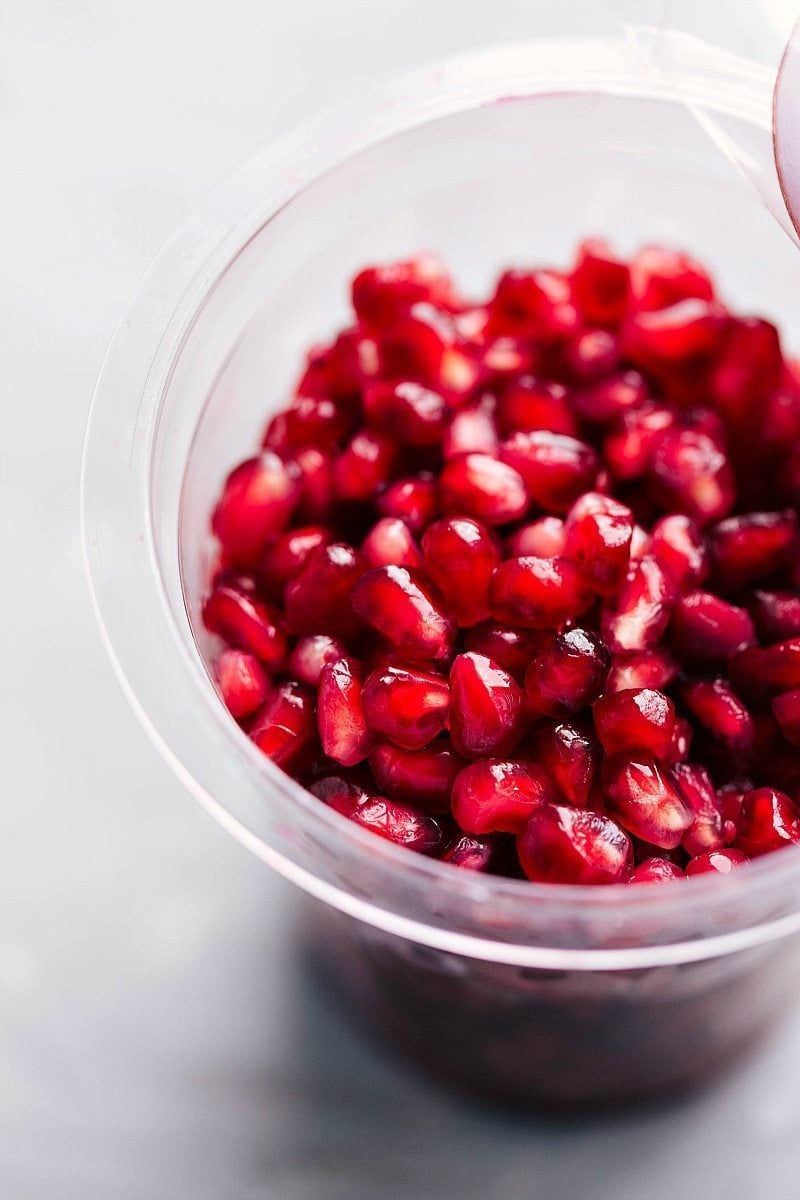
(661, 277)
(391, 543)
(655, 870)
(318, 599)
(570, 755)
(786, 708)
(242, 681)
(309, 421)
(707, 629)
(600, 284)
(460, 556)
(536, 303)
(512, 649)
(776, 615)
(532, 404)
(689, 473)
(343, 729)
(635, 719)
(364, 465)
(287, 555)
(570, 845)
(591, 355)
(569, 673)
(424, 776)
(311, 654)
(245, 622)
(554, 468)
(539, 593)
(406, 704)
(688, 329)
(414, 500)
(471, 431)
(680, 743)
(497, 796)
(413, 414)
(545, 538)
(381, 294)
(257, 502)
(640, 793)
(751, 545)
(285, 729)
(748, 367)
(599, 531)
(714, 704)
(629, 444)
(486, 716)
(640, 612)
(707, 830)
(653, 668)
(719, 862)
(761, 670)
(483, 487)
(605, 400)
(340, 792)
(403, 608)
(399, 823)
(677, 544)
(768, 820)
(471, 853)
(315, 481)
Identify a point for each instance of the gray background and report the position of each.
(160, 1039)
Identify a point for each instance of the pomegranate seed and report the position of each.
(748, 546)
(680, 742)
(343, 729)
(363, 465)
(759, 670)
(599, 531)
(512, 649)
(677, 544)
(593, 354)
(403, 608)
(311, 654)
(776, 615)
(707, 830)
(720, 711)
(425, 776)
(729, 800)
(786, 708)
(640, 611)
(245, 622)
(573, 845)
(285, 729)
(381, 294)
(391, 543)
(545, 538)
(640, 793)
(471, 431)
(315, 481)
(607, 399)
(257, 502)
(460, 557)
(486, 715)
(242, 681)
(569, 755)
(414, 415)
(483, 487)
(721, 862)
(767, 820)
(655, 870)
(748, 367)
(470, 853)
(600, 284)
(635, 719)
(686, 330)
(340, 792)
(287, 555)
(414, 500)
(689, 473)
(662, 277)
(540, 593)
(554, 468)
(414, 346)
(646, 669)
(708, 629)
(494, 796)
(406, 704)
(318, 599)
(529, 403)
(535, 303)
(309, 421)
(630, 443)
(399, 823)
(568, 674)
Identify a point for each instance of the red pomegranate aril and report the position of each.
(677, 544)
(661, 277)
(745, 547)
(654, 668)
(716, 862)
(748, 366)
(285, 729)
(471, 431)
(655, 870)
(318, 599)
(341, 792)
(545, 538)
(568, 674)
(512, 649)
(768, 820)
(242, 681)
(569, 755)
(483, 487)
(402, 607)
(414, 500)
(539, 593)
(573, 845)
(414, 346)
(639, 613)
(530, 404)
(460, 556)
(246, 623)
(776, 615)
(413, 414)
(729, 801)
(707, 629)
(688, 329)
(399, 823)
(554, 468)
(680, 742)
(486, 712)
(707, 830)
(471, 853)
(591, 355)
(761, 670)
(635, 719)
(424, 776)
(309, 421)
(381, 294)
(406, 704)
(343, 729)
(605, 400)
(257, 502)
(311, 654)
(719, 710)
(287, 555)
(391, 543)
(315, 481)
(630, 442)
(689, 473)
(638, 790)
(600, 284)
(498, 796)
(364, 465)
(533, 303)
(786, 708)
(599, 531)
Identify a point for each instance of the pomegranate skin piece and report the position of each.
(572, 845)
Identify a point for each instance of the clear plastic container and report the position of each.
(547, 995)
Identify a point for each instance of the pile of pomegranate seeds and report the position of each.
(517, 584)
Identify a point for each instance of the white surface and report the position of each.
(160, 1041)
